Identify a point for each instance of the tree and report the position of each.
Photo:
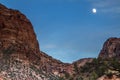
(76, 68)
(94, 75)
(79, 78)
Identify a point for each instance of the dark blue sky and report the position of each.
(67, 29)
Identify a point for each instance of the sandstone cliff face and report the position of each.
(16, 28)
(111, 48)
(20, 57)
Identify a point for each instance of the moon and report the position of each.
(94, 10)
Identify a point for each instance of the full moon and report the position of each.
(94, 10)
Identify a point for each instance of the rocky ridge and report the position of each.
(19, 50)
(21, 58)
(111, 48)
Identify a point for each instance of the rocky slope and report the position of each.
(111, 48)
(106, 66)
(82, 62)
(21, 58)
(104, 77)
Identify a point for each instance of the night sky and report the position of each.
(69, 30)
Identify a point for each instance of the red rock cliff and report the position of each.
(16, 28)
(111, 48)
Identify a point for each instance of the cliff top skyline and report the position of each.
(68, 29)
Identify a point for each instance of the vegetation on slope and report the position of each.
(97, 68)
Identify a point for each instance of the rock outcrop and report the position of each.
(111, 48)
(16, 28)
(20, 57)
(82, 62)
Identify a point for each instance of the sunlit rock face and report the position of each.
(16, 28)
(111, 48)
(20, 57)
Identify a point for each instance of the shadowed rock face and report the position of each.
(111, 48)
(16, 28)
